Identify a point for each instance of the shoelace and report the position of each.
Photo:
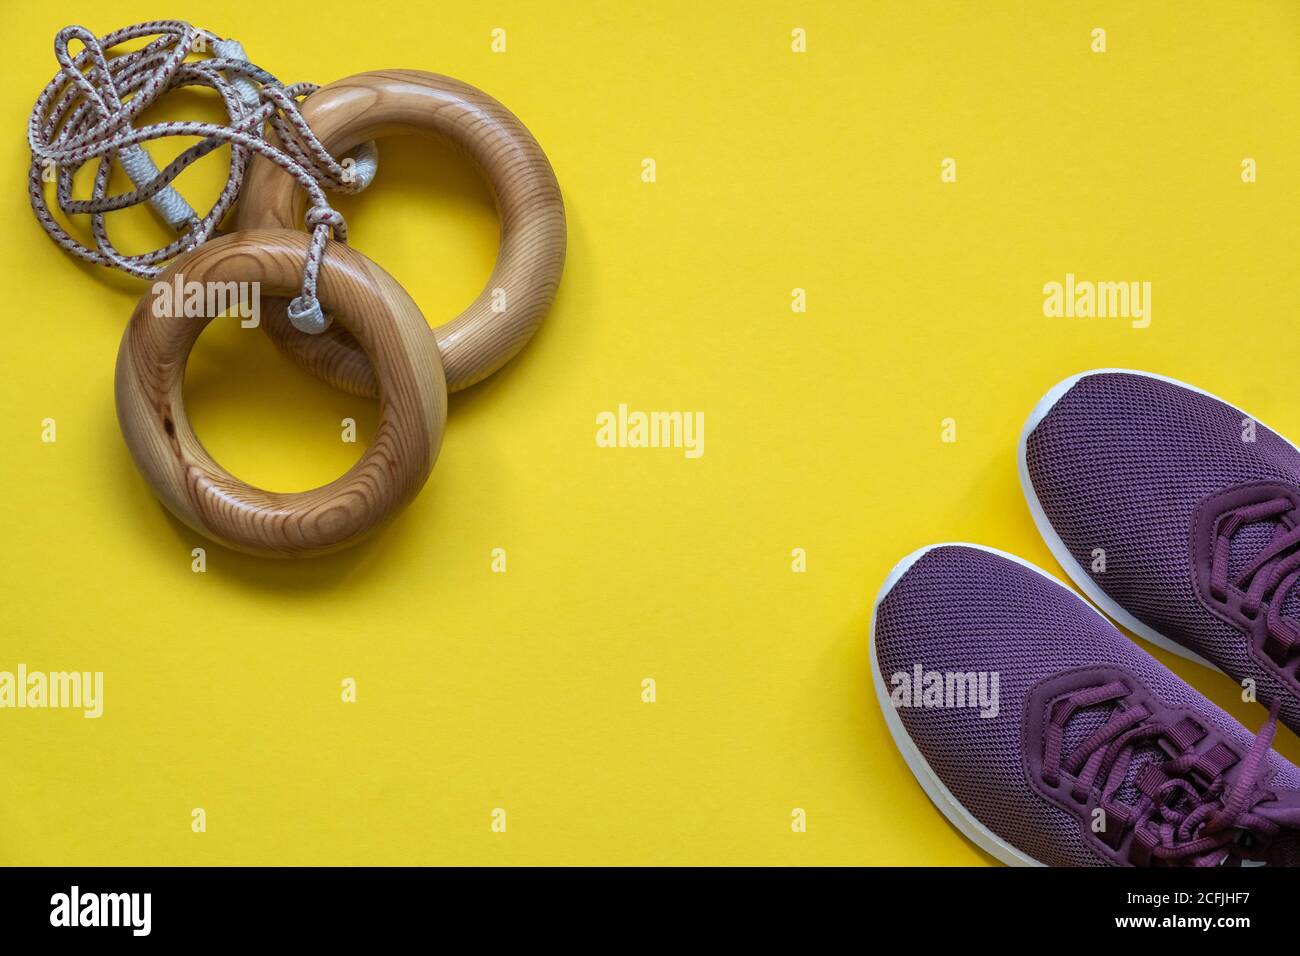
(86, 113)
(1269, 576)
(1174, 820)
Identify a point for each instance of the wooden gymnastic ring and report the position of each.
(481, 339)
(198, 491)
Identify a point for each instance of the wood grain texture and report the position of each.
(533, 233)
(386, 324)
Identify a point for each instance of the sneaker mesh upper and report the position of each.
(1120, 463)
(963, 609)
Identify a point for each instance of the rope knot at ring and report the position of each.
(87, 112)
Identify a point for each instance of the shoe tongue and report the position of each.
(1246, 544)
(1249, 541)
(1291, 605)
(1144, 755)
(1085, 721)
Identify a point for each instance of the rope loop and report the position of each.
(87, 113)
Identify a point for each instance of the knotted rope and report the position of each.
(81, 116)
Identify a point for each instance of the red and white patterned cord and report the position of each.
(81, 116)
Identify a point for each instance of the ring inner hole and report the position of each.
(265, 420)
(429, 220)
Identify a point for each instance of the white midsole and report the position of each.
(935, 789)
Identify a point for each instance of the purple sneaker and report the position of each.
(1049, 738)
(1179, 516)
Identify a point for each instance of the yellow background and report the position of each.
(523, 691)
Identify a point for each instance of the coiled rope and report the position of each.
(86, 112)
